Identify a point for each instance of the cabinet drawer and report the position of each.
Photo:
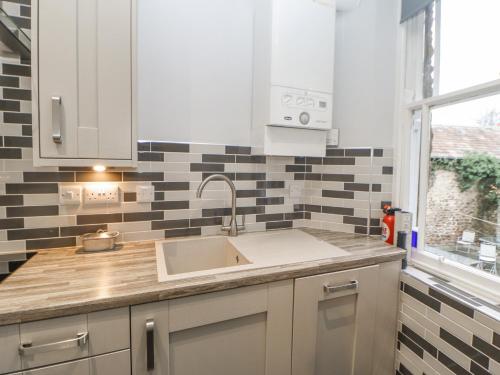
(9, 357)
(117, 363)
(64, 339)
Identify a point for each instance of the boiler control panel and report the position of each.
(301, 109)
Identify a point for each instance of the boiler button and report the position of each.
(310, 102)
(287, 99)
(304, 118)
(300, 101)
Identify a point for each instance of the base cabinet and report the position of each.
(341, 323)
(333, 323)
(243, 331)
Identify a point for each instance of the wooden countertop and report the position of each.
(66, 281)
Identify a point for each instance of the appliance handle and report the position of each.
(330, 289)
(28, 348)
(56, 119)
(150, 344)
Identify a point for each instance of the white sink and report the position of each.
(196, 257)
(207, 256)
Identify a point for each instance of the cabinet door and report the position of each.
(84, 78)
(57, 76)
(333, 323)
(243, 331)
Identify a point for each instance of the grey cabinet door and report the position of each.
(244, 331)
(334, 323)
(83, 64)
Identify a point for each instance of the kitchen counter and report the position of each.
(66, 281)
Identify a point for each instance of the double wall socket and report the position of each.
(101, 194)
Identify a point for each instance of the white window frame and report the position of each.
(470, 278)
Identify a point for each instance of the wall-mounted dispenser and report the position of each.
(293, 75)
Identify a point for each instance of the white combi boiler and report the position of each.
(294, 46)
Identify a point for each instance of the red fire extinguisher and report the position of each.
(388, 224)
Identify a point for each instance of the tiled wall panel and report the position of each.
(335, 192)
(331, 192)
(443, 330)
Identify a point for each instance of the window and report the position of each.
(450, 139)
(466, 43)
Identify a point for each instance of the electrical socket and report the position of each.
(101, 194)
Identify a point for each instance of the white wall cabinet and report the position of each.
(83, 62)
(243, 331)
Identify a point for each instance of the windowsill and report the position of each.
(457, 293)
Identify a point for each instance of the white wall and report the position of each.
(365, 72)
(195, 71)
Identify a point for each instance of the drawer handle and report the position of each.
(80, 340)
(353, 285)
(56, 119)
(150, 344)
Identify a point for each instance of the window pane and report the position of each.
(414, 165)
(467, 51)
(463, 215)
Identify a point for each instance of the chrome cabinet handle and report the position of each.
(28, 348)
(56, 119)
(150, 344)
(353, 285)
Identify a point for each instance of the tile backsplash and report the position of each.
(444, 330)
(343, 191)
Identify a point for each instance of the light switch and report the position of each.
(332, 138)
(70, 195)
(145, 193)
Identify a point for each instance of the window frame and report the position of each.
(411, 41)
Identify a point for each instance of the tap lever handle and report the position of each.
(242, 226)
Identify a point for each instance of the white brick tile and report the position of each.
(41, 199)
(421, 319)
(450, 326)
(487, 321)
(12, 246)
(449, 350)
(144, 236)
(413, 303)
(466, 322)
(49, 221)
(135, 226)
(436, 365)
